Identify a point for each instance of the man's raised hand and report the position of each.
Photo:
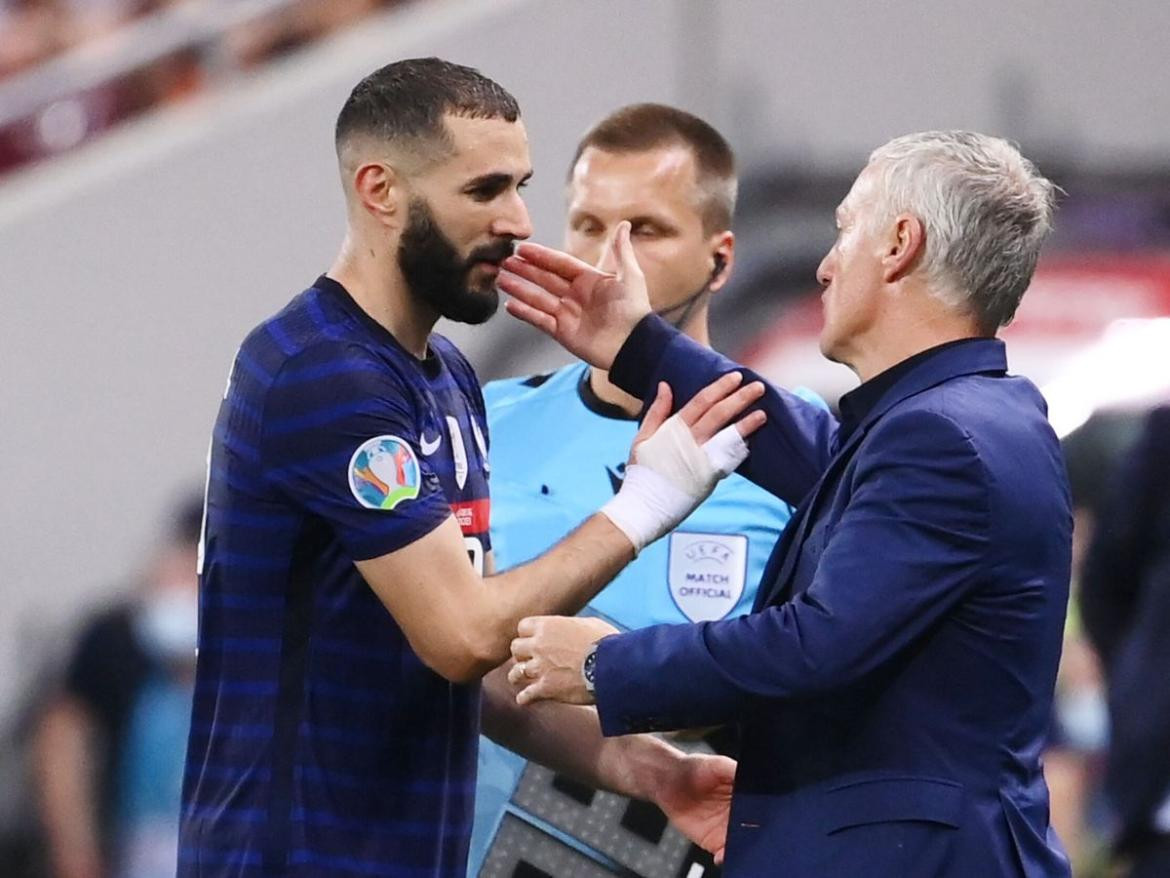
(676, 461)
(590, 311)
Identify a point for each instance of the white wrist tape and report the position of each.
(670, 476)
(646, 506)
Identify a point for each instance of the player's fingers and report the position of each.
(528, 292)
(546, 280)
(561, 264)
(656, 415)
(546, 323)
(750, 422)
(725, 411)
(708, 396)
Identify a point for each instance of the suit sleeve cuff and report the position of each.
(641, 685)
(637, 362)
(610, 682)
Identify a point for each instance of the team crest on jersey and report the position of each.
(706, 573)
(384, 472)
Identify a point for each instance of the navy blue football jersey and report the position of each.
(320, 744)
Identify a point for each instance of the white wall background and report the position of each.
(131, 270)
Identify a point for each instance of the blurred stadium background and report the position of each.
(167, 179)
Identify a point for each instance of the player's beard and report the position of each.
(436, 273)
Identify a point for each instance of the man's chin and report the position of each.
(474, 307)
(830, 350)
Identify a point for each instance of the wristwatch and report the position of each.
(589, 669)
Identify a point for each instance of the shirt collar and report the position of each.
(596, 404)
(859, 402)
(431, 365)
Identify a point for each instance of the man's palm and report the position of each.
(604, 316)
(590, 311)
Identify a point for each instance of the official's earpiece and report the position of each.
(720, 264)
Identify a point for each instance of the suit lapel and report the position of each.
(782, 561)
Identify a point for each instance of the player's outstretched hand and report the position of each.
(676, 461)
(697, 799)
(708, 413)
(590, 311)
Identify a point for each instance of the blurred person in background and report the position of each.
(560, 440)
(1125, 602)
(1075, 752)
(1075, 758)
(109, 745)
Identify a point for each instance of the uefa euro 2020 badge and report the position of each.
(384, 472)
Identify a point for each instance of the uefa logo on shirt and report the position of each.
(384, 472)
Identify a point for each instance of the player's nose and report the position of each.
(514, 222)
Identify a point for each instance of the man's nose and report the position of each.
(514, 222)
(605, 260)
(824, 272)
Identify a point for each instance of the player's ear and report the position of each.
(380, 190)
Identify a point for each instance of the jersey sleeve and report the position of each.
(340, 440)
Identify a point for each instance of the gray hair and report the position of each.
(985, 210)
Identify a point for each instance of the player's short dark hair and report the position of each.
(407, 100)
(643, 127)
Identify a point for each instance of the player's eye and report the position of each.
(485, 193)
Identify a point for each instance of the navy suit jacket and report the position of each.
(893, 687)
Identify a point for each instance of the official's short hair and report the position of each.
(986, 211)
(644, 127)
(404, 104)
